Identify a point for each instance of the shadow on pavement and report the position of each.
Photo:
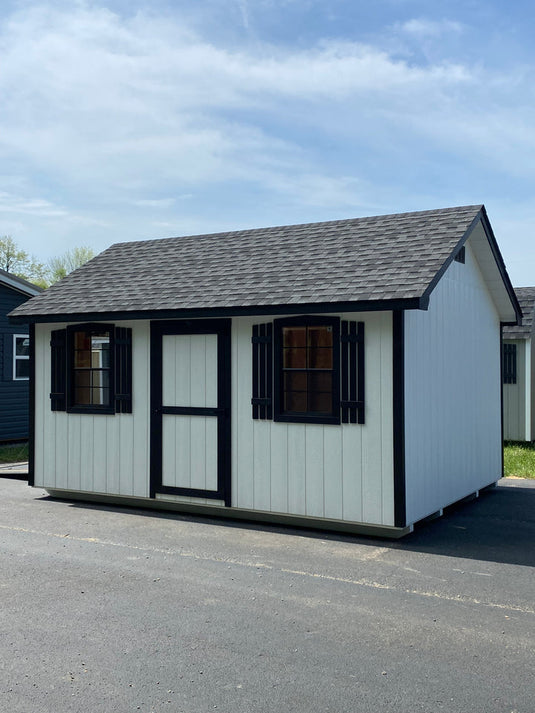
(497, 527)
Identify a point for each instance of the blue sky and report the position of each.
(124, 120)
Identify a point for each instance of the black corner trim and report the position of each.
(31, 442)
(398, 357)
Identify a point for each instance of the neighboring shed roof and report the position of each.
(526, 299)
(18, 283)
(383, 259)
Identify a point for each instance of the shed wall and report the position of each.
(101, 454)
(326, 471)
(14, 394)
(516, 397)
(530, 349)
(452, 393)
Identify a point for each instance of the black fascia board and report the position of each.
(436, 279)
(481, 215)
(501, 265)
(421, 303)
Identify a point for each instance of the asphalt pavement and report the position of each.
(106, 609)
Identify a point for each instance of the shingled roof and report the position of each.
(526, 299)
(382, 259)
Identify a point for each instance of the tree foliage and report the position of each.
(60, 267)
(17, 261)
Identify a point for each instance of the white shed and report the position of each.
(343, 374)
(519, 372)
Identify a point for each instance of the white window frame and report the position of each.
(16, 357)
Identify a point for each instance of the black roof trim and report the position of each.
(483, 217)
(295, 308)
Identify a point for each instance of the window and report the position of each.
(306, 361)
(91, 369)
(308, 369)
(21, 357)
(509, 363)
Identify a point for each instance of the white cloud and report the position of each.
(422, 27)
(114, 111)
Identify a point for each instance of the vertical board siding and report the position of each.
(103, 453)
(452, 392)
(14, 394)
(516, 398)
(328, 471)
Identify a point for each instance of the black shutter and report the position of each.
(352, 372)
(123, 370)
(509, 363)
(262, 400)
(58, 380)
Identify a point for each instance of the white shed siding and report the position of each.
(530, 347)
(343, 472)
(101, 454)
(515, 404)
(452, 392)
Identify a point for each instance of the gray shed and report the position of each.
(14, 359)
(343, 374)
(519, 372)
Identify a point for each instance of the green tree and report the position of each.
(17, 261)
(60, 267)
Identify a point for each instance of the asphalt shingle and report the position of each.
(386, 257)
(526, 299)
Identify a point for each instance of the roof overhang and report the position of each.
(490, 261)
(277, 309)
(18, 284)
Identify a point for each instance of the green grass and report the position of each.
(519, 459)
(14, 453)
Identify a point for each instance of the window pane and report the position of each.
(100, 379)
(82, 340)
(22, 369)
(319, 403)
(22, 346)
(295, 381)
(294, 336)
(320, 336)
(82, 359)
(82, 396)
(294, 358)
(295, 401)
(320, 382)
(100, 397)
(82, 378)
(321, 358)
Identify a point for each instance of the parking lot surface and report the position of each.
(111, 609)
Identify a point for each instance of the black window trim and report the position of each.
(305, 320)
(108, 409)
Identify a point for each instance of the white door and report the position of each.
(190, 411)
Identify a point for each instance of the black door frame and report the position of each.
(221, 327)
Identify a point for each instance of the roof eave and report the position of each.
(409, 303)
(482, 218)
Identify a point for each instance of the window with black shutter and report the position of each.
(91, 369)
(318, 370)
